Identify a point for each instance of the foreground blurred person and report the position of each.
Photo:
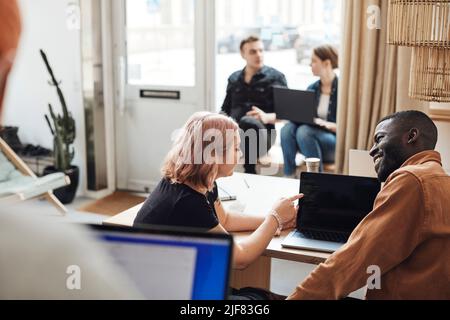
(38, 255)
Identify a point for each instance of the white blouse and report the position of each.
(324, 103)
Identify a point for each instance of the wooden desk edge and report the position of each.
(295, 255)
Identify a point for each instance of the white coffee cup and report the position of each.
(312, 164)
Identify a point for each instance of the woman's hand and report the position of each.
(330, 126)
(262, 116)
(292, 224)
(320, 122)
(287, 210)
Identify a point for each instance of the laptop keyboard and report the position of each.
(325, 235)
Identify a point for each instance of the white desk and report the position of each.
(255, 195)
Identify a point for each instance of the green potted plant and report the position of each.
(62, 127)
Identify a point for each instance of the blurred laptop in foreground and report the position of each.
(171, 264)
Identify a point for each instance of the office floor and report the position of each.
(285, 274)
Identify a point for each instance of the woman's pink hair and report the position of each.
(181, 164)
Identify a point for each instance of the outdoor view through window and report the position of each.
(289, 29)
(159, 32)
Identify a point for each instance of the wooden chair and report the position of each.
(25, 184)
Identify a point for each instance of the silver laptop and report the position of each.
(332, 207)
(295, 105)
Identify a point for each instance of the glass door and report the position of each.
(160, 51)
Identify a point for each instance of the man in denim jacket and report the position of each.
(249, 101)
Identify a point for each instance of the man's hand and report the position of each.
(256, 113)
(260, 115)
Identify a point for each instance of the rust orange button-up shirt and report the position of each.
(406, 236)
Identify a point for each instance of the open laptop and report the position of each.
(332, 207)
(295, 105)
(171, 264)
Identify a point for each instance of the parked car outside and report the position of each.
(273, 38)
(314, 37)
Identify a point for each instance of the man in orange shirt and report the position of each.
(401, 249)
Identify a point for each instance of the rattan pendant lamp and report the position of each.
(424, 25)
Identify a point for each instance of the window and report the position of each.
(289, 29)
(159, 32)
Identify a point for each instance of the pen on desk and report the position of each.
(228, 197)
(248, 187)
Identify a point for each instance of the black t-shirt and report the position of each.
(174, 204)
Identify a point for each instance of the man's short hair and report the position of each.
(416, 119)
(249, 39)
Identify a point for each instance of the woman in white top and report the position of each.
(315, 141)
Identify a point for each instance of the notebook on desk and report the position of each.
(170, 264)
(332, 207)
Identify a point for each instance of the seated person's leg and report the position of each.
(308, 141)
(250, 141)
(327, 141)
(269, 136)
(289, 147)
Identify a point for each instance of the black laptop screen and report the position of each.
(335, 202)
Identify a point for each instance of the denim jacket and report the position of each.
(332, 108)
(259, 92)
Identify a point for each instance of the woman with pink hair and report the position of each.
(207, 148)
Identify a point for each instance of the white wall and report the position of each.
(442, 145)
(44, 26)
(443, 132)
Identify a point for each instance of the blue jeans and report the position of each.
(311, 141)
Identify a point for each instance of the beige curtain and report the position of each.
(374, 80)
(368, 79)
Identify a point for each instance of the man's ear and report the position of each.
(413, 135)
